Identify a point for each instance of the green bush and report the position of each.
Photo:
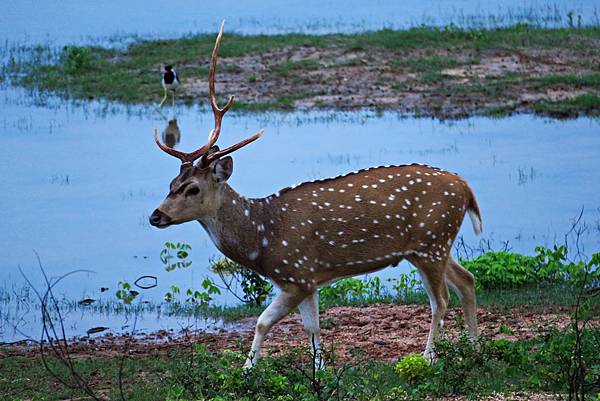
(256, 290)
(505, 269)
(77, 59)
(413, 368)
(350, 290)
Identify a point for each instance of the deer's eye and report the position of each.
(192, 191)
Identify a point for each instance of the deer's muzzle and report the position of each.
(159, 219)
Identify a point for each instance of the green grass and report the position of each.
(130, 75)
(583, 104)
(287, 68)
(194, 373)
(580, 80)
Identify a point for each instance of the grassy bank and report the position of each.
(442, 72)
(521, 370)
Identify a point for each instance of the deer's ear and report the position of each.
(222, 169)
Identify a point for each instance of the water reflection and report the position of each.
(171, 134)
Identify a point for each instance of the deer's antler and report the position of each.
(218, 113)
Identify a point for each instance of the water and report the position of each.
(83, 21)
(79, 181)
(79, 184)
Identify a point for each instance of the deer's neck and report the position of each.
(238, 228)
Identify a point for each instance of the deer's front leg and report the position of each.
(283, 303)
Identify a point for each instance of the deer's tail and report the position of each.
(474, 213)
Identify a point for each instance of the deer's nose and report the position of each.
(159, 219)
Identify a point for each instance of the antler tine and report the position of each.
(209, 158)
(184, 157)
(218, 112)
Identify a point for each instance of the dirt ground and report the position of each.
(384, 332)
(336, 77)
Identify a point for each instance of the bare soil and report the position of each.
(383, 332)
(479, 81)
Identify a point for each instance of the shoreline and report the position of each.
(445, 73)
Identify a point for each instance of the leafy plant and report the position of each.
(174, 256)
(256, 290)
(125, 293)
(170, 295)
(405, 284)
(351, 289)
(413, 368)
(202, 298)
(506, 269)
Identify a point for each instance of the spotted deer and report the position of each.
(314, 233)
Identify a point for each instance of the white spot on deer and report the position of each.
(330, 189)
(309, 221)
(375, 221)
(291, 279)
(265, 242)
(342, 190)
(327, 204)
(260, 228)
(390, 176)
(372, 202)
(446, 193)
(284, 243)
(404, 188)
(375, 236)
(299, 199)
(283, 209)
(374, 186)
(381, 180)
(391, 197)
(233, 201)
(407, 201)
(340, 233)
(350, 184)
(428, 183)
(421, 224)
(387, 216)
(246, 212)
(364, 186)
(277, 271)
(419, 180)
(253, 255)
(285, 262)
(384, 204)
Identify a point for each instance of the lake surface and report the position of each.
(72, 21)
(80, 180)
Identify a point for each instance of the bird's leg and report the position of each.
(173, 98)
(163, 100)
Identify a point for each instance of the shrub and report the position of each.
(352, 289)
(505, 269)
(77, 59)
(413, 368)
(256, 290)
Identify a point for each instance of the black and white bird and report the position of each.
(170, 82)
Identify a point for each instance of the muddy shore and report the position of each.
(381, 331)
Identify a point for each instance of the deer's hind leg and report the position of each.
(309, 310)
(433, 275)
(463, 283)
